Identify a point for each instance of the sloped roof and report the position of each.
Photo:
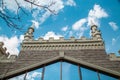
(28, 60)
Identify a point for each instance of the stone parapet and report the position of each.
(62, 44)
(95, 42)
(113, 57)
(5, 56)
(2, 50)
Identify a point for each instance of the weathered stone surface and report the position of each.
(28, 58)
(25, 59)
(97, 57)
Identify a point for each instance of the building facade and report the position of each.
(62, 59)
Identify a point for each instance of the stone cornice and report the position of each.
(62, 44)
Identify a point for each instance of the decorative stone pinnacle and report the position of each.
(31, 29)
(95, 33)
(93, 27)
(29, 33)
(3, 50)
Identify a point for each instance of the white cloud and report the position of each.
(55, 7)
(94, 17)
(51, 34)
(70, 3)
(12, 43)
(95, 14)
(33, 75)
(79, 24)
(44, 16)
(21, 77)
(36, 23)
(113, 25)
(21, 38)
(39, 13)
(113, 41)
(30, 76)
(98, 12)
(65, 28)
(70, 33)
(93, 20)
(35, 13)
(79, 27)
(12, 5)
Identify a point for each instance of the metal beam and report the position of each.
(60, 70)
(43, 72)
(79, 71)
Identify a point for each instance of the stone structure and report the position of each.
(89, 52)
(113, 57)
(4, 56)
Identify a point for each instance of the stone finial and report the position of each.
(29, 33)
(31, 29)
(95, 33)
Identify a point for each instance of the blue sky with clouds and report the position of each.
(71, 18)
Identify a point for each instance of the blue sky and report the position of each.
(73, 18)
